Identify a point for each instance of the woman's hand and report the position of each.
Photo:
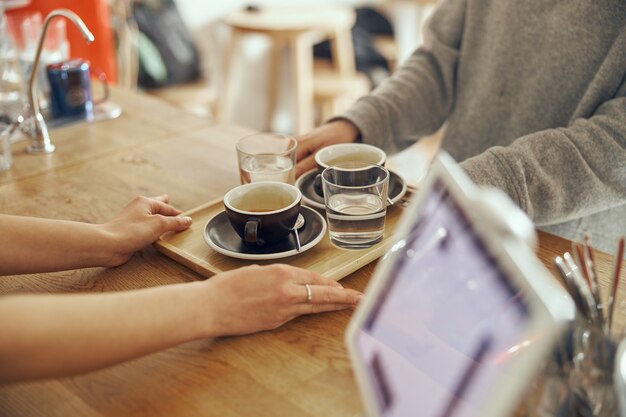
(59, 335)
(255, 298)
(139, 224)
(338, 131)
(62, 244)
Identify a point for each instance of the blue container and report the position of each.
(70, 90)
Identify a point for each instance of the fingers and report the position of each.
(158, 206)
(315, 279)
(305, 165)
(175, 224)
(323, 294)
(321, 308)
(170, 221)
(310, 300)
(303, 276)
(306, 145)
(163, 198)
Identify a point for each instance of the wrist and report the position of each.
(346, 129)
(111, 246)
(90, 244)
(208, 319)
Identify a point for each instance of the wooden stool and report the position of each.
(334, 92)
(298, 29)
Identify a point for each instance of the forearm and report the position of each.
(417, 98)
(53, 335)
(561, 174)
(33, 245)
(405, 106)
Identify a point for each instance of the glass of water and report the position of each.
(355, 195)
(267, 157)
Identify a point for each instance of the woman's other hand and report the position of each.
(255, 298)
(139, 224)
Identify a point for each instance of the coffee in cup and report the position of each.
(346, 152)
(263, 212)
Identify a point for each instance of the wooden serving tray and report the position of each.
(190, 249)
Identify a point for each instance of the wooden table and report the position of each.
(300, 369)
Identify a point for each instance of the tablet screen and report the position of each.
(444, 324)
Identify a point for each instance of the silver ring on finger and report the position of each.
(309, 293)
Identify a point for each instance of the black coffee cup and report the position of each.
(345, 152)
(263, 212)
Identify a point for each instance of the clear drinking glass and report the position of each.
(355, 195)
(267, 157)
(12, 91)
(578, 380)
(591, 379)
(5, 146)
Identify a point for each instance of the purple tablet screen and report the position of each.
(444, 324)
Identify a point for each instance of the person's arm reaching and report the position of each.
(336, 131)
(31, 245)
(560, 174)
(414, 101)
(417, 99)
(53, 335)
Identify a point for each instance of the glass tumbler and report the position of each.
(355, 196)
(267, 157)
(12, 92)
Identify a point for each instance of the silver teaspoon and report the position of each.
(299, 224)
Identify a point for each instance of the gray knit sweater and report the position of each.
(533, 94)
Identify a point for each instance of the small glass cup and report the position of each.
(12, 89)
(267, 157)
(578, 380)
(591, 378)
(355, 195)
(5, 146)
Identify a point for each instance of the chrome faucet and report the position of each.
(38, 131)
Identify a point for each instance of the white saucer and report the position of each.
(305, 183)
(222, 238)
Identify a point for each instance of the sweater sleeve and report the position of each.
(416, 100)
(565, 173)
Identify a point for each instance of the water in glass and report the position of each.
(356, 220)
(267, 168)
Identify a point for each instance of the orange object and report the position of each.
(96, 15)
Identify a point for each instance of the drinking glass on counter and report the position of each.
(355, 196)
(12, 92)
(267, 157)
(7, 126)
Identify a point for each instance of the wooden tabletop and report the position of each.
(300, 369)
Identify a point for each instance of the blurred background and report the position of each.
(270, 65)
